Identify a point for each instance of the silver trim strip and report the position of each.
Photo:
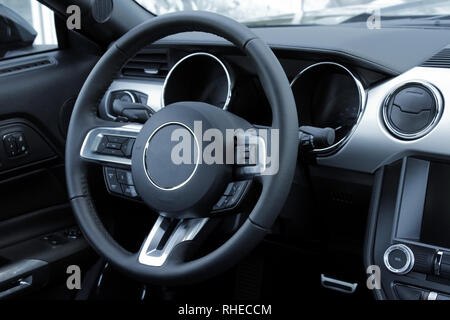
(19, 63)
(23, 271)
(186, 230)
(437, 264)
(337, 285)
(100, 278)
(94, 137)
(22, 267)
(362, 103)
(409, 259)
(439, 106)
(21, 285)
(227, 73)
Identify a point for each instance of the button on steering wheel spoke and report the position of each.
(120, 182)
(110, 145)
(251, 154)
(233, 195)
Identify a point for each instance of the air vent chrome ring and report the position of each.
(438, 101)
(228, 75)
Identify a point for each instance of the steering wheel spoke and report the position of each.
(170, 239)
(110, 145)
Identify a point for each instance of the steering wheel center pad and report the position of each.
(182, 190)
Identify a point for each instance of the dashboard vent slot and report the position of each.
(148, 63)
(439, 60)
(25, 65)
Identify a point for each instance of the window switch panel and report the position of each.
(15, 144)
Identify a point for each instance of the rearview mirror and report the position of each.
(15, 32)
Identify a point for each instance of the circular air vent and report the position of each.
(412, 110)
(102, 10)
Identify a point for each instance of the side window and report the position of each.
(26, 26)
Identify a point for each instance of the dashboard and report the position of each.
(387, 113)
(357, 101)
(329, 93)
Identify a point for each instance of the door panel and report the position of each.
(38, 234)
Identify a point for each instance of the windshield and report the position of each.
(276, 12)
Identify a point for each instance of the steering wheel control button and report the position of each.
(116, 146)
(113, 152)
(229, 190)
(412, 110)
(127, 147)
(234, 192)
(113, 145)
(129, 191)
(111, 181)
(124, 177)
(162, 170)
(221, 203)
(116, 139)
(120, 182)
(399, 259)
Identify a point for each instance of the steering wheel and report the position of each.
(183, 195)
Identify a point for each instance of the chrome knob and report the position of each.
(399, 259)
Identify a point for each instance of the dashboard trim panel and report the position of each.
(373, 146)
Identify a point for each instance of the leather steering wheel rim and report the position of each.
(275, 187)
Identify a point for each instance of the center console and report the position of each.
(408, 235)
